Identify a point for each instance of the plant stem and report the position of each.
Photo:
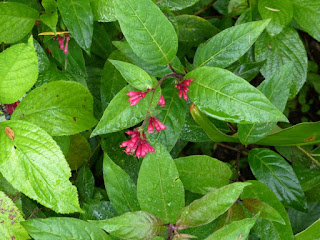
(204, 8)
(315, 161)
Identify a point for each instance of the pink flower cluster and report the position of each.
(183, 88)
(135, 97)
(153, 121)
(11, 107)
(137, 144)
(61, 41)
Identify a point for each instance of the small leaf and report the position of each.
(16, 21)
(236, 230)
(134, 75)
(18, 70)
(206, 209)
(228, 46)
(247, 70)
(160, 191)
(78, 17)
(10, 218)
(132, 225)
(60, 98)
(200, 174)
(85, 183)
(150, 35)
(121, 189)
(271, 169)
(34, 164)
(225, 96)
(267, 212)
(63, 228)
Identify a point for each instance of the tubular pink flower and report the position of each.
(136, 144)
(135, 97)
(11, 107)
(61, 41)
(153, 121)
(162, 102)
(183, 88)
(65, 50)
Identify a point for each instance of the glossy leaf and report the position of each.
(63, 100)
(280, 13)
(120, 115)
(34, 164)
(78, 17)
(132, 225)
(18, 71)
(271, 169)
(79, 151)
(306, 13)
(180, 4)
(235, 230)
(85, 183)
(276, 89)
(149, 33)
(63, 228)
(50, 17)
(279, 50)
(266, 212)
(160, 191)
(103, 10)
(228, 46)
(225, 96)
(247, 70)
(204, 210)
(134, 75)
(10, 218)
(97, 211)
(172, 115)
(16, 21)
(200, 174)
(311, 233)
(121, 189)
(266, 229)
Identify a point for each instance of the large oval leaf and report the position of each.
(228, 46)
(60, 108)
(78, 17)
(63, 228)
(18, 71)
(160, 191)
(34, 164)
(271, 169)
(223, 95)
(16, 21)
(149, 33)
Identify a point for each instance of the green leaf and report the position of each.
(194, 30)
(306, 13)
(50, 17)
(276, 89)
(160, 191)
(120, 115)
(18, 71)
(247, 70)
(235, 230)
(10, 218)
(173, 116)
(101, 41)
(149, 33)
(201, 173)
(180, 4)
(311, 233)
(97, 211)
(34, 164)
(79, 151)
(204, 210)
(134, 75)
(132, 225)
(16, 21)
(78, 17)
(280, 13)
(121, 189)
(271, 169)
(281, 49)
(225, 96)
(43, 60)
(60, 98)
(266, 229)
(63, 228)
(103, 10)
(85, 183)
(266, 212)
(228, 46)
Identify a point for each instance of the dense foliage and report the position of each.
(169, 119)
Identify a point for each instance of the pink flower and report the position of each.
(135, 97)
(65, 50)
(137, 144)
(183, 88)
(153, 121)
(162, 102)
(11, 107)
(61, 41)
